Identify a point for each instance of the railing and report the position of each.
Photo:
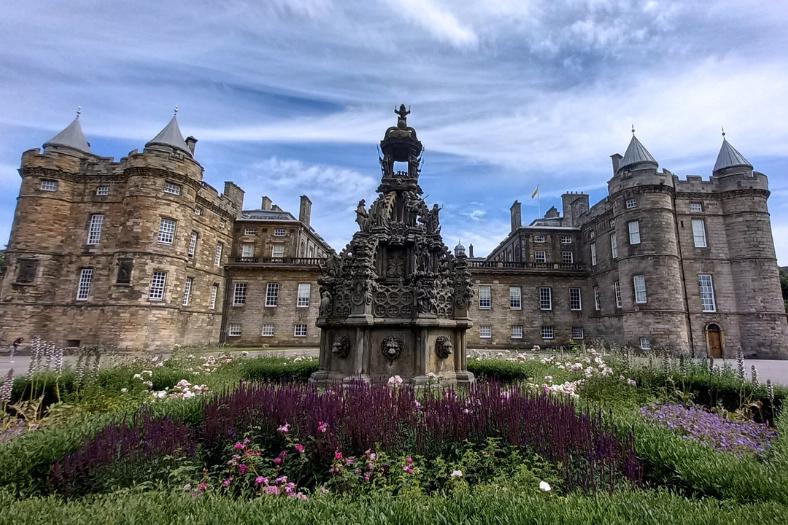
(522, 265)
(297, 261)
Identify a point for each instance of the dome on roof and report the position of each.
(729, 157)
(171, 136)
(459, 250)
(636, 154)
(71, 137)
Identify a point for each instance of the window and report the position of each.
(631, 203)
(250, 231)
(268, 330)
(699, 233)
(567, 257)
(217, 256)
(593, 254)
(212, 298)
(48, 185)
(166, 230)
(278, 251)
(706, 285)
(485, 297)
(234, 329)
(223, 224)
(517, 331)
(187, 291)
(26, 271)
(85, 280)
(247, 249)
(198, 210)
(193, 244)
(304, 291)
(591, 234)
(696, 207)
(539, 237)
(515, 298)
(485, 331)
(94, 229)
(279, 232)
(272, 294)
(125, 266)
(597, 306)
(634, 232)
(611, 223)
(172, 188)
(239, 294)
(299, 330)
(548, 333)
(613, 246)
(102, 191)
(157, 284)
(617, 290)
(566, 239)
(639, 285)
(578, 333)
(645, 343)
(545, 298)
(575, 301)
(540, 257)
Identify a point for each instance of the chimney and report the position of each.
(470, 251)
(191, 142)
(266, 203)
(616, 158)
(517, 220)
(305, 210)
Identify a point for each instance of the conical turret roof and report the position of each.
(729, 157)
(71, 137)
(636, 154)
(171, 136)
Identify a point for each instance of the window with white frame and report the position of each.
(249, 230)
(193, 244)
(268, 330)
(247, 249)
(545, 298)
(634, 232)
(566, 239)
(699, 233)
(94, 229)
(172, 188)
(102, 191)
(212, 297)
(279, 232)
(696, 207)
(234, 329)
(645, 343)
(578, 333)
(158, 283)
(485, 297)
(217, 256)
(593, 254)
(485, 331)
(278, 251)
(706, 286)
(299, 330)
(272, 294)
(613, 246)
(548, 332)
(187, 291)
(539, 237)
(639, 286)
(48, 185)
(85, 280)
(540, 256)
(597, 305)
(304, 291)
(631, 203)
(567, 257)
(517, 331)
(166, 230)
(617, 290)
(515, 298)
(575, 300)
(239, 293)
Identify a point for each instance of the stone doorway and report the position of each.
(714, 340)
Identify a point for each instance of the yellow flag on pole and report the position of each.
(535, 194)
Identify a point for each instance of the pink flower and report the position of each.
(202, 486)
(322, 426)
(278, 460)
(409, 460)
(408, 469)
(243, 469)
(280, 480)
(272, 489)
(337, 455)
(299, 448)
(239, 446)
(261, 480)
(301, 496)
(284, 429)
(350, 461)
(226, 482)
(290, 489)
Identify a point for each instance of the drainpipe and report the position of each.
(683, 277)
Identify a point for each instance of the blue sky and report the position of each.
(292, 96)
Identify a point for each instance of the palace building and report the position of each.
(142, 253)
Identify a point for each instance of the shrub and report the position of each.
(278, 369)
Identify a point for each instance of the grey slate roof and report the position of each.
(71, 137)
(171, 136)
(267, 215)
(729, 157)
(636, 153)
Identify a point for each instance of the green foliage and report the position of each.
(276, 369)
(500, 370)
